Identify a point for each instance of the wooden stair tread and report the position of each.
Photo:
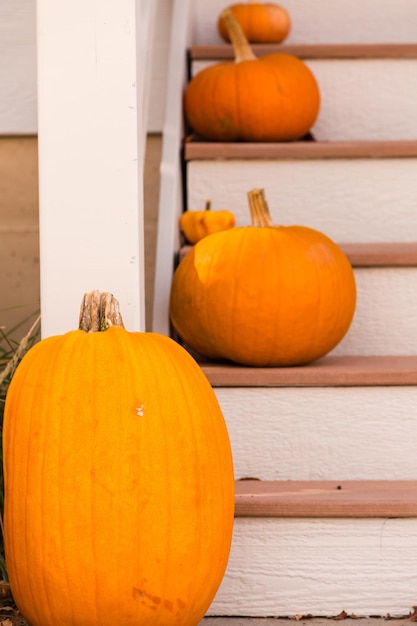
(387, 254)
(330, 371)
(195, 149)
(347, 499)
(219, 52)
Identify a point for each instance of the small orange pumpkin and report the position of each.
(273, 98)
(118, 479)
(198, 224)
(266, 22)
(263, 295)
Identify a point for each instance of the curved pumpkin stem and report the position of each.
(242, 49)
(259, 210)
(98, 312)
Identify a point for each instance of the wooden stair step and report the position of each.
(381, 254)
(317, 554)
(195, 149)
(330, 371)
(387, 254)
(311, 548)
(221, 52)
(320, 499)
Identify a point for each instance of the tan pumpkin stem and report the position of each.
(259, 210)
(242, 49)
(98, 312)
(208, 205)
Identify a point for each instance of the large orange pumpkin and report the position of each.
(262, 22)
(118, 479)
(263, 295)
(273, 98)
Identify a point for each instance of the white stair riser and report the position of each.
(372, 99)
(366, 99)
(322, 433)
(323, 21)
(385, 320)
(295, 567)
(351, 200)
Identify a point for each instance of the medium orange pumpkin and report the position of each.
(273, 98)
(198, 224)
(262, 22)
(263, 295)
(118, 479)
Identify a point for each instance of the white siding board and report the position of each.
(351, 200)
(322, 433)
(370, 99)
(321, 567)
(17, 67)
(385, 320)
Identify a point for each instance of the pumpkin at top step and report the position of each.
(118, 479)
(263, 295)
(271, 98)
(262, 22)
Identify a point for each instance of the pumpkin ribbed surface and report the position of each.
(119, 483)
(263, 295)
(274, 98)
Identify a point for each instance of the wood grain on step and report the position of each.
(331, 371)
(348, 499)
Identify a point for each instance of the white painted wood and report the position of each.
(17, 67)
(159, 60)
(170, 193)
(296, 567)
(18, 94)
(366, 99)
(322, 433)
(148, 13)
(385, 320)
(326, 21)
(91, 179)
(362, 99)
(357, 200)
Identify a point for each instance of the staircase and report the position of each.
(325, 454)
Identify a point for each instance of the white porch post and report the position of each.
(90, 158)
(170, 196)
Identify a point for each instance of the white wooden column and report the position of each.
(90, 158)
(170, 191)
